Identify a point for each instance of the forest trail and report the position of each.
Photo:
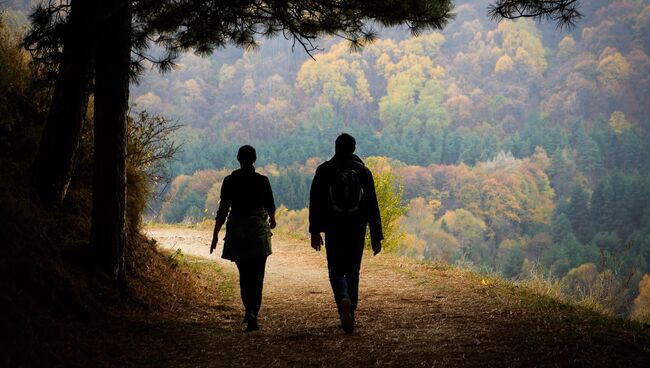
(410, 314)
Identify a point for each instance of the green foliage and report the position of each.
(291, 188)
(389, 196)
(177, 258)
(578, 212)
(513, 262)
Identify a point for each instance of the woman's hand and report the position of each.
(272, 223)
(214, 244)
(316, 241)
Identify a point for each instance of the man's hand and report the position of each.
(376, 246)
(316, 241)
(213, 245)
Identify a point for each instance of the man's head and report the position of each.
(345, 144)
(246, 155)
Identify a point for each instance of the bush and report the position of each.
(149, 151)
(294, 223)
(389, 190)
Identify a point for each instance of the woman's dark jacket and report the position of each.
(246, 200)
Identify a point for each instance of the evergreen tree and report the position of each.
(579, 215)
(602, 208)
(559, 174)
(560, 228)
(574, 251)
(589, 160)
(607, 241)
(513, 262)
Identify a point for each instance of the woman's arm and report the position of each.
(222, 212)
(215, 234)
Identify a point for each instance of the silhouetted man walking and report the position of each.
(342, 203)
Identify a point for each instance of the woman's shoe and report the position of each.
(345, 312)
(251, 320)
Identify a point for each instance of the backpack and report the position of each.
(345, 191)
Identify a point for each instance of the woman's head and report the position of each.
(246, 155)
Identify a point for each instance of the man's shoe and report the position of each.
(251, 321)
(345, 312)
(252, 326)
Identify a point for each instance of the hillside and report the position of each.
(411, 314)
(512, 149)
(518, 144)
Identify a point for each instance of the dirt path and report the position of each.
(410, 314)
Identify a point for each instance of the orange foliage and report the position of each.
(641, 309)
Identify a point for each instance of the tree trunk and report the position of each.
(54, 162)
(112, 67)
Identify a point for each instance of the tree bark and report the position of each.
(112, 67)
(54, 162)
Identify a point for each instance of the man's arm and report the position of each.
(374, 216)
(316, 209)
(269, 203)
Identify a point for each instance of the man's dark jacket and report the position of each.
(323, 217)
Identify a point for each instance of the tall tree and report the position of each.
(579, 215)
(54, 162)
(113, 60)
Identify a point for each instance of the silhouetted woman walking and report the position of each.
(247, 202)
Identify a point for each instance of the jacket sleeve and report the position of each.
(374, 217)
(316, 202)
(224, 202)
(269, 202)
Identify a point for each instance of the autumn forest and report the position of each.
(514, 147)
(510, 160)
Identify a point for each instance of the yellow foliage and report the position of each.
(384, 63)
(435, 206)
(614, 70)
(618, 123)
(566, 48)
(212, 199)
(503, 65)
(293, 223)
(442, 246)
(523, 34)
(411, 246)
(363, 88)
(437, 72)
(226, 73)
